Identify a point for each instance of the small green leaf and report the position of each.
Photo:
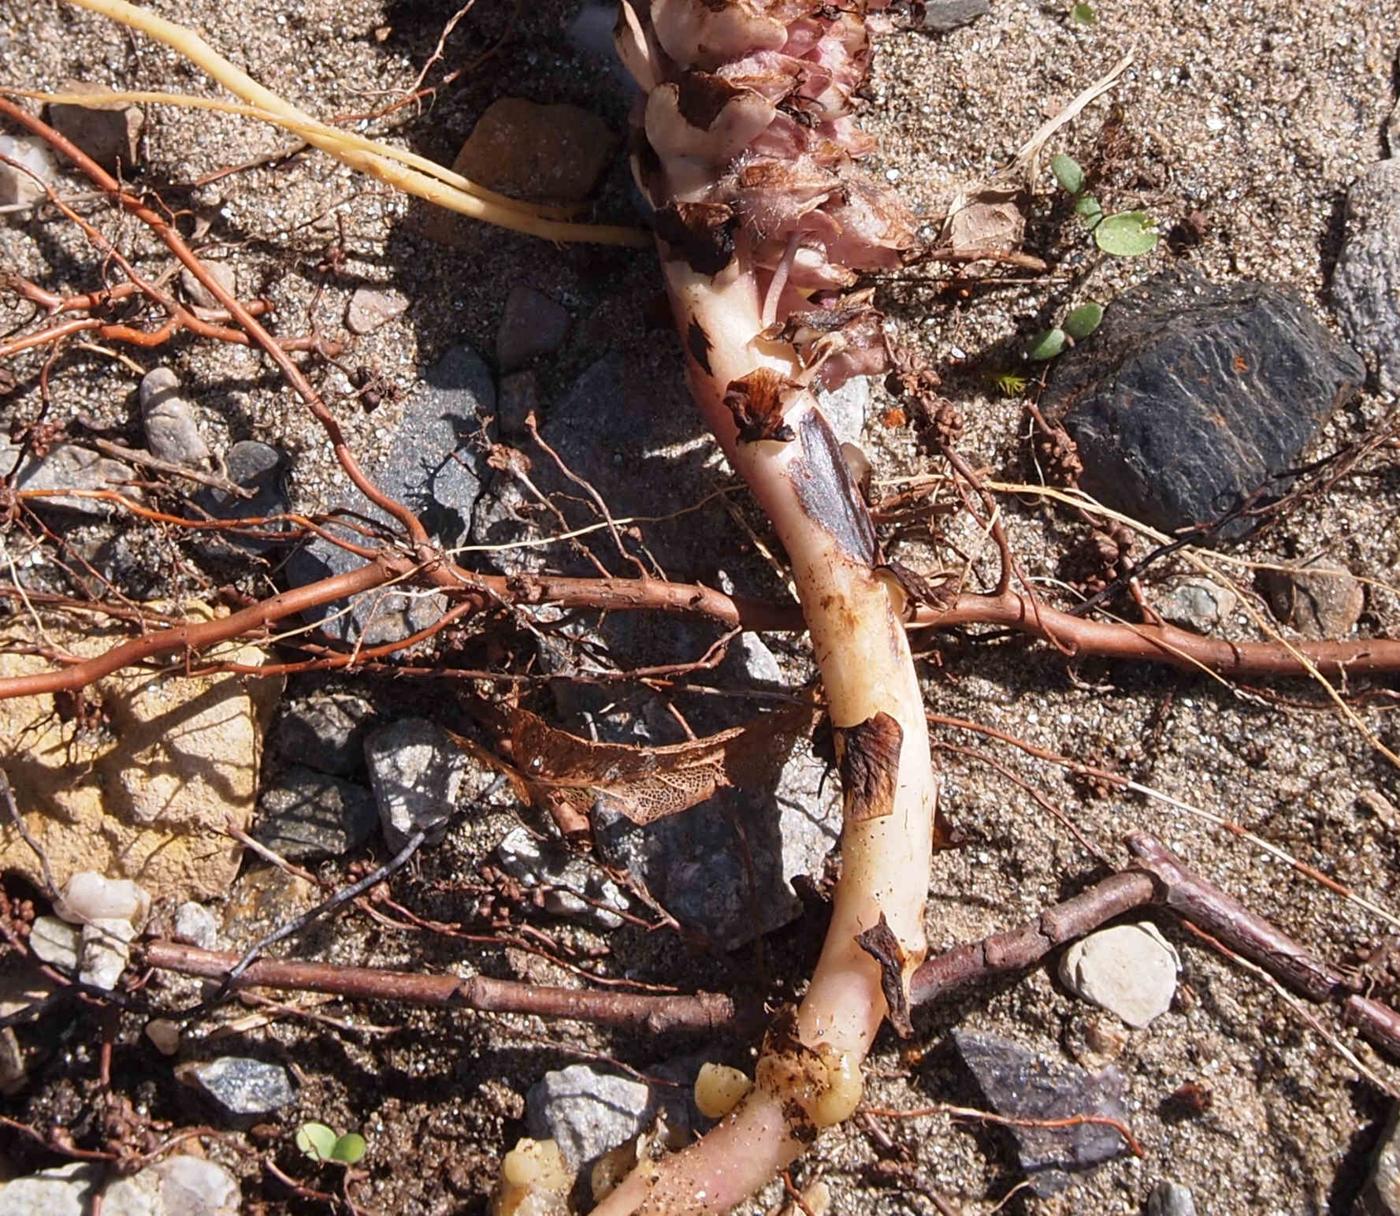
(1089, 209)
(316, 1140)
(1083, 14)
(1067, 172)
(1046, 345)
(349, 1148)
(1128, 234)
(1082, 321)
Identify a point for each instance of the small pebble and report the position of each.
(108, 131)
(164, 1035)
(178, 1186)
(532, 325)
(369, 309)
(1130, 970)
(1321, 599)
(239, 1085)
(1170, 1199)
(586, 1112)
(55, 942)
(64, 1191)
(221, 272)
(17, 188)
(171, 430)
(416, 773)
(197, 925)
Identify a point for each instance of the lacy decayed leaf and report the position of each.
(643, 783)
(746, 145)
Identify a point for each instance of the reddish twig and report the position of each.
(704, 1012)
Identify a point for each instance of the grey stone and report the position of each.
(416, 772)
(845, 408)
(1366, 282)
(1130, 970)
(177, 1186)
(66, 466)
(1170, 1199)
(1190, 397)
(1320, 599)
(732, 888)
(944, 16)
(1381, 1194)
(240, 1085)
(169, 422)
(324, 730)
(258, 467)
(586, 1112)
(369, 309)
(221, 272)
(55, 942)
(305, 815)
(17, 188)
(105, 951)
(532, 325)
(591, 29)
(1020, 1084)
(13, 1070)
(574, 889)
(108, 131)
(435, 467)
(64, 1191)
(197, 925)
(519, 398)
(1197, 603)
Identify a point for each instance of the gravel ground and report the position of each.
(1257, 116)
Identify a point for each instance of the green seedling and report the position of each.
(322, 1144)
(1125, 234)
(1078, 324)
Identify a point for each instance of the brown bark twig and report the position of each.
(703, 1012)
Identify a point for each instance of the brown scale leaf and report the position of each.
(757, 402)
(867, 757)
(566, 775)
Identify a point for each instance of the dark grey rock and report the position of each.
(944, 16)
(169, 422)
(258, 467)
(519, 397)
(1321, 599)
(726, 867)
(1191, 396)
(221, 272)
(306, 815)
(1020, 1084)
(1381, 1194)
(435, 467)
(324, 730)
(591, 29)
(17, 188)
(64, 1191)
(573, 888)
(70, 467)
(1366, 283)
(240, 1086)
(108, 131)
(533, 325)
(1170, 1199)
(416, 772)
(586, 1112)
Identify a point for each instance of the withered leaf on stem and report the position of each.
(757, 402)
(883, 946)
(563, 773)
(867, 757)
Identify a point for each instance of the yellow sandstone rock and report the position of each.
(143, 781)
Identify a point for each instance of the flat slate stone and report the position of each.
(434, 468)
(1192, 396)
(1021, 1084)
(305, 815)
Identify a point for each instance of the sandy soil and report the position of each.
(1257, 116)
